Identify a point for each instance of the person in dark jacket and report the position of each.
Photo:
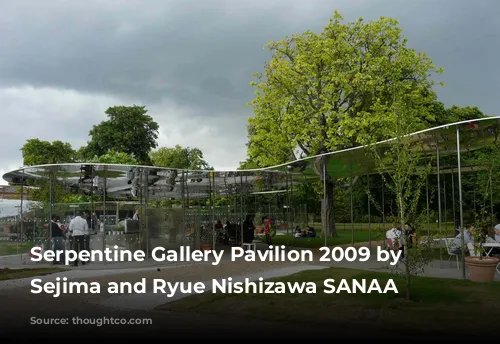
(58, 237)
(248, 230)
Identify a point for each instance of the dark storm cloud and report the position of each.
(203, 53)
(62, 63)
(197, 53)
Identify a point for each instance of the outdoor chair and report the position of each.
(472, 251)
(449, 244)
(491, 240)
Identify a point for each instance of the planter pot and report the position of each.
(206, 247)
(482, 270)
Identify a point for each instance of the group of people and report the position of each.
(308, 232)
(456, 246)
(230, 230)
(396, 238)
(77, 233)
(399, 239)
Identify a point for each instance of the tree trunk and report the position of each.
(329, 228)
(327, 213)
(406, 239)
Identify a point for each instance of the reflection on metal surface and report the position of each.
(128, 182)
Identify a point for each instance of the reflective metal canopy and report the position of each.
(127, 182)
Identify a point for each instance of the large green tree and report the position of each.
(453, 114)
(128, 130)
(332, 90)
(114, 157)
(38, 152)
(180, 158)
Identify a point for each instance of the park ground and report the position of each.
(440, 307)
(346, 234)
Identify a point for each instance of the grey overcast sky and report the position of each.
(63, 63)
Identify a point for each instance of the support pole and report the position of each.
(212, 196)
(383, 202)
(438, 187)
(439, 201)
(51, 201)
(21, 212)
(427, 206)
(445, 206)
(453, 201)
(460, 203)
(491, 199)
(146, 208)
(92, 209)
(183, 200)
(105, 186)
(241, 208)
(369, 215)
(352, 207)
(325, 200)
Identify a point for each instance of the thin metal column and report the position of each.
(105, 186)
(453, 200)
(289, 201)
(92, 210)
(439, 201)
(325, 200)
(491, 199)
(427, 206)
(21, 212)
(438, 187)
(460, 203)
(241, 208)
(146, 208)
(445, 206)
(212, 196)
(51, 200)
(183, 200)
(383, 202)
(352, 208)
(369, 215)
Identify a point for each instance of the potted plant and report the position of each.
(206, 238)
(481, 269)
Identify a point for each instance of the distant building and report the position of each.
(12, 192)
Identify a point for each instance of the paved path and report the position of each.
(18, 305)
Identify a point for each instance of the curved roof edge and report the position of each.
(275, 168)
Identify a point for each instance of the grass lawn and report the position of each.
(365, 227)
(362, 233)
(439, 303)
(9, 248)
(341, 239)
(10, 274)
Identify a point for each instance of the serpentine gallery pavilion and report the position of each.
(142, 207)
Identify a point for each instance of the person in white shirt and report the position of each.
(496, 251)
(395, 236)
(456, 246)
(79, 229)
(497, 233)
(136, 215)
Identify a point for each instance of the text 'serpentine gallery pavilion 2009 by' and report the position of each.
(143, 207)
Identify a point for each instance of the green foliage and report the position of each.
(398, 165)
(129, 130)
(333, 90)
(37, 152)
(40, 192)
(180, 158)
(114, 157)
(453, 114)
